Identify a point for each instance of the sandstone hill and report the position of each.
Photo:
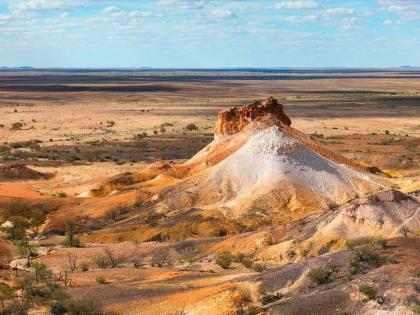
(257, 166)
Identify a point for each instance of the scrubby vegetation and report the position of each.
(322, 275)
(368, 290)
(224, 259)
(140, 136)
(365, 255)
(161, 259)
(378, 243)
(243, 303)
(84, 266)
(43, 288)
(16, 126)
(101, 261)
(415, 307)
(22, 217)
(70, 239)
(101, 280)
(190, 256)
(191, 127)
(267, 298)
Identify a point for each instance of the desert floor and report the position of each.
(83, 127)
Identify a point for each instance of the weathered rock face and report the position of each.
(235, 119)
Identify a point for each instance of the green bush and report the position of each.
(224, 259)
(102, 261)
(17, 230)
(110, 123)
(243, 259)
(258, 267)
(392, 260)
(58, 308)
(61, 194)
(191, 127)
(16, 126)
(140, 136)
(101, 280)
(363, 259)
(268, 298)
(18, 208)
(137, 263)
(84, 266)
(368, 290)
(378, 243)
(243, 302)
(246, 262)
(416, 308)
(70, 239)
(84, 306)
(322, 275)
(42, 272)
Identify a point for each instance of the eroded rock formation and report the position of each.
(235, 119)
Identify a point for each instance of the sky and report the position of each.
(209, 33)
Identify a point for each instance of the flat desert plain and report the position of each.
(88, 138)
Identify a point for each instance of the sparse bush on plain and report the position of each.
(140, 136)
(368, 290)
(113, 260)
(17, 230)
(189, 255)
(242, 302)
(415, 308)
(61, 194)
(16, 126)
(161, 259)
(110, 123)
(395, 186)
(364, 258)
(18, 209)
(243, 259)
(322, 275)
(257, 267)
(392, 260)
(85, 306)
(101, 280)
(191, 127)
(115, 214)
(101, 261)
(224, 259)
(70, 238)
(137, 263)
(84, 266)
(246, 262)
(378, 243)
(267, 298)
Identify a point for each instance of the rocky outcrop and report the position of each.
(235, 119)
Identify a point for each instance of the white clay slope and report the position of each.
(271, 158)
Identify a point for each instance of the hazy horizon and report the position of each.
(215, 69)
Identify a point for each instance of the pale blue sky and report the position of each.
(209, 33)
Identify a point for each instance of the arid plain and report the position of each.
(89, 138)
